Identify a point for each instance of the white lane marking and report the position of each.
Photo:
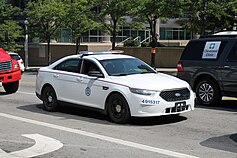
(43, 145)
(101, 137)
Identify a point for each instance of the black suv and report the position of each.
(209, 65)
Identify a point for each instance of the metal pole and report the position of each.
(26, 45)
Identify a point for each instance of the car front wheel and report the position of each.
(207, 92)
(49, 99)
(118, 110)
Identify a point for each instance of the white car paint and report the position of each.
(73, 87)
(16, 56)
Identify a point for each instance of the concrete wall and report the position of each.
(165, 56)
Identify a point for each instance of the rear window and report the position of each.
(15, 57)
(203, 50)
(233, 53)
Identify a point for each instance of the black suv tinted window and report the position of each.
(70, 65)
(233, 53)
(194, 50)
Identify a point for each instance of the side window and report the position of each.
(70, 65)
(233, 53)
(195, 50)
(89, 66)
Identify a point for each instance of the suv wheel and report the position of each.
(207, 92)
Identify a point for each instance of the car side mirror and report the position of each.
(95, 74)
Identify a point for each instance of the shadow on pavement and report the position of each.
(69, 112)
(225, 105)
(226, 143)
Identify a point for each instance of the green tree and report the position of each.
(10, 30)
(111, 14)
(80, 19)
(46, 16)
(150, 11)
(209, 15)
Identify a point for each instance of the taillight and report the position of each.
(180, 67)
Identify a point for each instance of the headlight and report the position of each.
(16, 66)
(142, 91)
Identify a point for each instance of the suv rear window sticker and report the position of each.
(211, 50)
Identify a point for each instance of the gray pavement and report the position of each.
(205, 132)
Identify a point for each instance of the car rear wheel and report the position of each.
(207, 92)
(49, 99)
(11, 87)
(118, 110)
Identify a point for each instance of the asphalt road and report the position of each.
(26, 130)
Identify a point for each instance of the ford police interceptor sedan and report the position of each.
(119, 85)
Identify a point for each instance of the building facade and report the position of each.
(168, 30)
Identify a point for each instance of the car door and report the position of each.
(229, 71)
(93, 89)
(67, 80)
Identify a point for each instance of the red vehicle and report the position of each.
(10, 72)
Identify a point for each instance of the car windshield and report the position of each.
(15, 57)
(126, 66)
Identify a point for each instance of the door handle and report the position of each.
(224, 67)
(56, 75)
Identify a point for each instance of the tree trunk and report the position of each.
(49, 52)
(114, 35)
(154, 40)
(77, 45)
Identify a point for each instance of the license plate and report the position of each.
(180, 106)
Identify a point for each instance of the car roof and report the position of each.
(97, 57)
(212, 38)
(12, 53)
(108, 56)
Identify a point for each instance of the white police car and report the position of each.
(119, 85)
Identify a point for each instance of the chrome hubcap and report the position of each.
(206, 92)
(118, 108)
(50, 99)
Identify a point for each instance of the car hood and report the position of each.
(157, 81)
(4, 56)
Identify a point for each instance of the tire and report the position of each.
(207, 92)
(11, 87)
(49, 99)
(118, 110)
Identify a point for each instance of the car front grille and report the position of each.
(175, 95)
(5, 66)
(177, 109)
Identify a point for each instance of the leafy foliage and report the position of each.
(10, 30)
(111, 14)
(150, 11)
(80, 20)
(46, 16)
(213, 15)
